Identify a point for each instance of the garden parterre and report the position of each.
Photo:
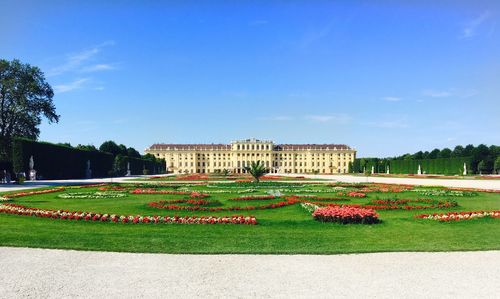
(290, 214)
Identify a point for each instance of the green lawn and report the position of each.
(289, 230)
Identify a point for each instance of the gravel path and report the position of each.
(61, 273)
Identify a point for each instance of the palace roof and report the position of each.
(219, 146)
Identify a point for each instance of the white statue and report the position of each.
(419, 170)
(465, 169)
(373, 169)
(128, 169)
(388, 171)
(32, 170)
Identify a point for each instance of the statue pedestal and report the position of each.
(88, 174)
(32, 175)
(128, 173)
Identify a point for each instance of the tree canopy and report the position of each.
(25, 98)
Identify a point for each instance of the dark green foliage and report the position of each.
(437, 161)
(57, 161)
(5, 165)
(88, 147)
(133, 153)
(445, 153)
(448, 166)
(497, 165)
(112, 148)
(481, 167)
(25, 97)
(137, 166)
(61, 162)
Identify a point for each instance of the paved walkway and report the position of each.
(60, 273)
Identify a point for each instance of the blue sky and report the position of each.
(386, 78)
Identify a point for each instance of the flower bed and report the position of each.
(153, 191)
(92, 195)
(90, 216)
(346, 215)
(315, 197)
(22, 194)
(444, 192)
(168, 205)
(263, 197)
(395, 204)
(459, 216)
(310, 207)
(192, 194)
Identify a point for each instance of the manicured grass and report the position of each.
(289, 230)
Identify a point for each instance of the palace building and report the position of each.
(278, 158)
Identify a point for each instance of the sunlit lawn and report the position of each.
(289, 229)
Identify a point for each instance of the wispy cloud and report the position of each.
(75, 61)
(336, 118)
(258, 22)
(98, 68)
(436, 93)
(452, 92)
(77, 84)
(473, 25)
(392, 99)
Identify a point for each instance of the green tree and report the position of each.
(257, 170)
(25, 98)
(88, 147)
(225, 172)
(445, 153)
(458, 151)
(66, 144)
(469, 148)
(133, 153)
(434, 154)
(110, 147)
(418, 155)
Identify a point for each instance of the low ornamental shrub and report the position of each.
(346, 215)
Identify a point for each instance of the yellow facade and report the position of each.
(278, 158)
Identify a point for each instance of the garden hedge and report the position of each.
(447, 166)
(58, 161)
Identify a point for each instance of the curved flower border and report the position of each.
(459, 216)
(168, 205)
(92, 195)
(113, 218)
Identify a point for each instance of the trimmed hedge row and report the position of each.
(137, 166)
(447, 166)
(57, 161)
(5, 165)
